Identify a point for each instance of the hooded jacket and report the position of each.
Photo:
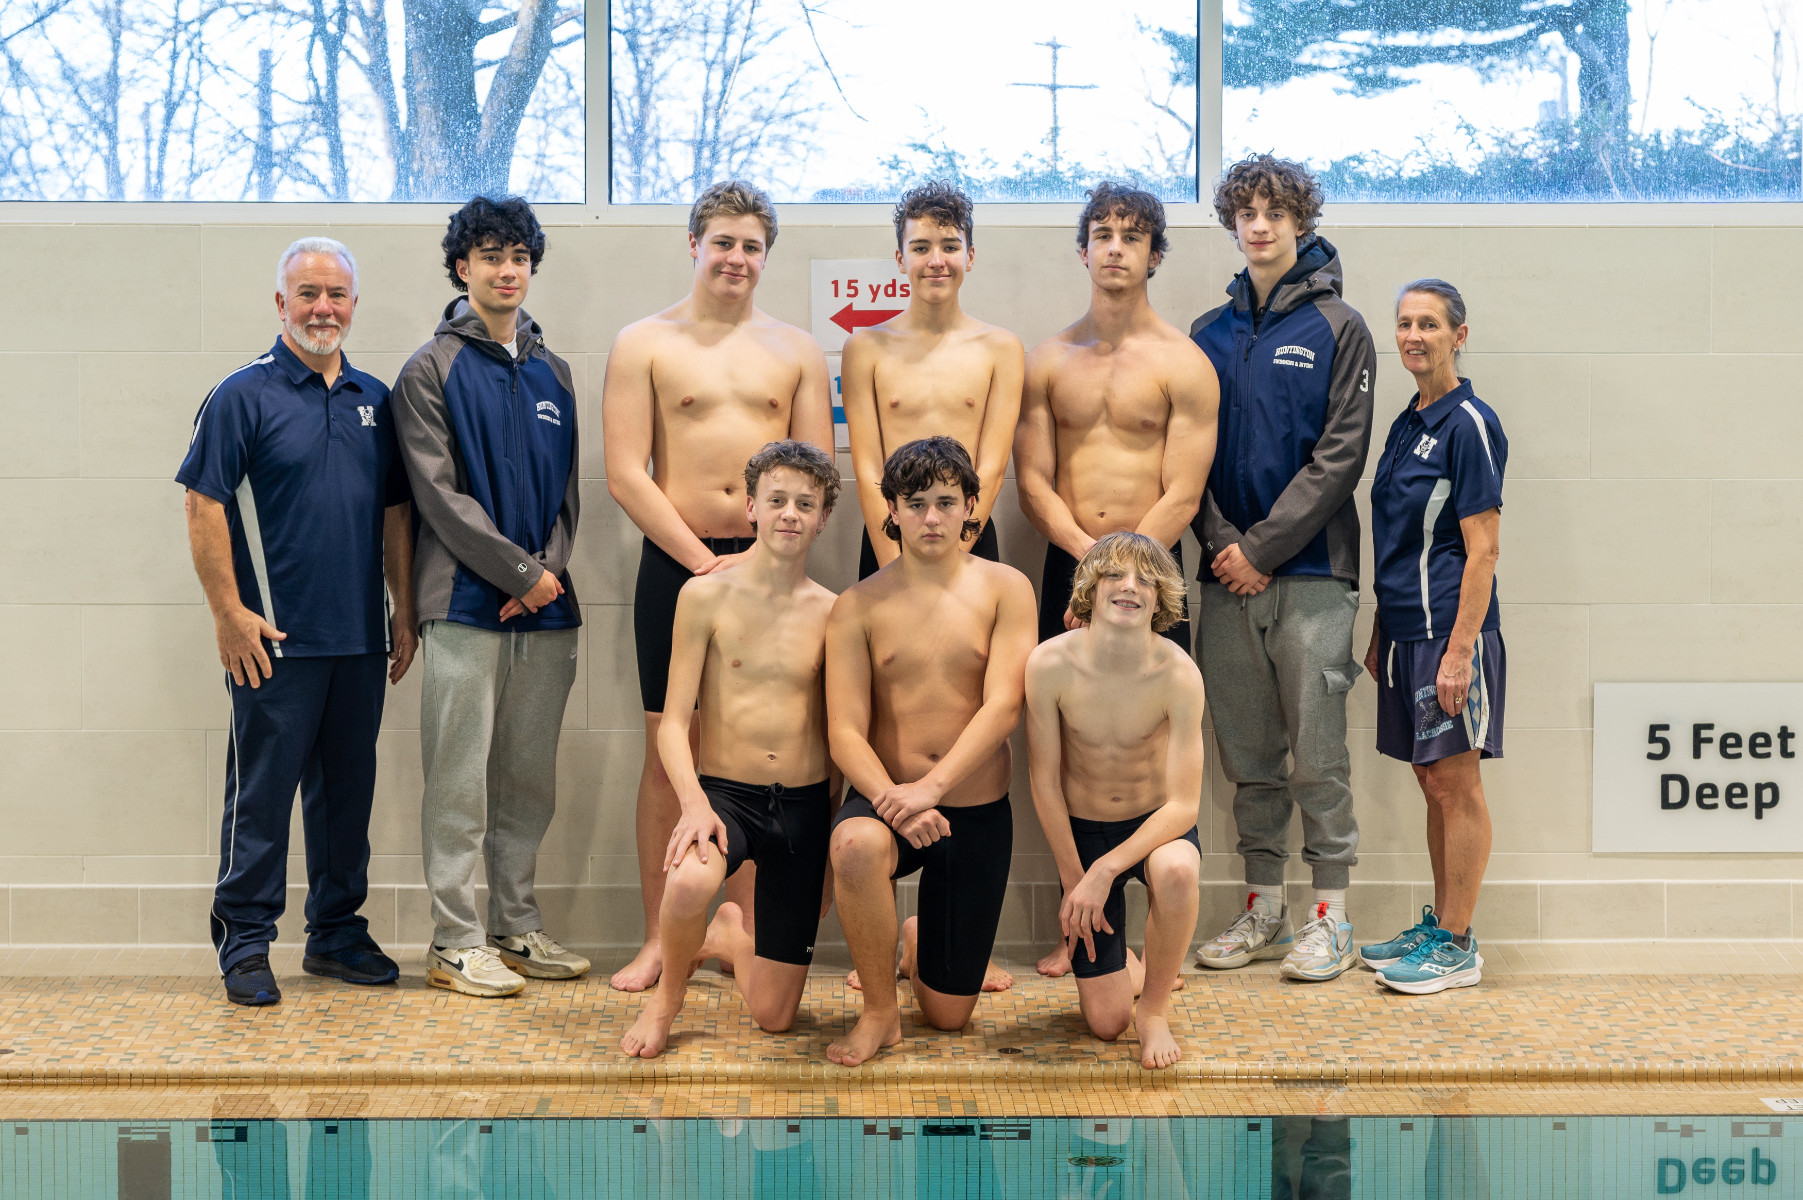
(489, 440)
(1295, 422)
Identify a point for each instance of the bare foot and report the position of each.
(1157, 1047)
(868, 1038)
(649, 1034)
(1057, 963)
(723, 933)
(853, 982)
(995, 979)
(641, 972)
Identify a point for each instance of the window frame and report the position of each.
(599, 211)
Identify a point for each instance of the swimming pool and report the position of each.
(1503, 1158)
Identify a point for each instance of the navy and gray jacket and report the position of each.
(489, 440)
(1295, 422)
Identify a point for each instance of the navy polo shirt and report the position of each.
(304, 472)
(1439, 466)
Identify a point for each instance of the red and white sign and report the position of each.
(852, 293)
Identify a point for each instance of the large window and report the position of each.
(842, 100)
(1513, 100)
(291, 100)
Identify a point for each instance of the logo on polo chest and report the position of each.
(1426, 445)
(1294, 356)
(368, 413)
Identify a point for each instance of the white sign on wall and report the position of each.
(851, 293)
(1712, 768)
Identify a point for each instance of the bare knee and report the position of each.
(946, 1013)
(773, 1018)
(1173, 868)
(861, 846)
(690, 885)
(1110, 1023)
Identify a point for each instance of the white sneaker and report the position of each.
(473, 970)
(1252, 935)
(1323, 950)
(536, 955)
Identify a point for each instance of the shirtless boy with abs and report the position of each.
(748, 644)
(935, 369)
(1114, 747)
(924, 671)
(1117, 427)
(692, 392)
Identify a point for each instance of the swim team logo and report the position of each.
(1426, 445)
(547, 411)
(1294, 356)
(368, 413)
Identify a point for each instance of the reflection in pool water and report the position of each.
(1095, 1158)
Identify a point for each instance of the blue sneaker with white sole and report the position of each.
(1384, 954)
(1434, 966)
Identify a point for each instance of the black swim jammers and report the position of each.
(1055, 596)
(654, 612)
(963, 882)
(785, 831)
(1094, 839)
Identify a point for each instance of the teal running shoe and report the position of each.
(1384, 954)
(1434, 966)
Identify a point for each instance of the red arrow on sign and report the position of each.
(850, 319)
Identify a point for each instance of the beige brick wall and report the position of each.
(1645, 377)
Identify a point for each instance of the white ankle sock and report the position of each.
(1329, 903)
(1267, 899)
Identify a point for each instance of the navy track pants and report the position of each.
(313, 725)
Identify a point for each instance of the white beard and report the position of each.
(312, 345)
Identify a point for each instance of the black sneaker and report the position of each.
(353, 964)
(250, 981)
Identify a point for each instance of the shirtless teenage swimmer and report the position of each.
(748, 645)
(924, 676)
(694, 391)
(1114, 747)
(1117, 426)
(932, 370)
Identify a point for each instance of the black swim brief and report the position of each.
(1094, 839)
(1055, 595)
(654, 612)
(963, 882)
(985, 547)
(784, 831)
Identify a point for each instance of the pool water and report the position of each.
(1099, 1158)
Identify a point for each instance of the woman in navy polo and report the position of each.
(1437, 648)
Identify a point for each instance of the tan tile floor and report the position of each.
(97, 1034)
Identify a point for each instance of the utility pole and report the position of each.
(1054, 88)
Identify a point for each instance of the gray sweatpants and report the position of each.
(490, 714)
(1277, 667)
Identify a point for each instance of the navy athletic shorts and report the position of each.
(1412, 726)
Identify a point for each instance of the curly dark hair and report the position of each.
(1110, 199)
(919, 465)
(804, 457)
(1282, 182)
(508, 221)
(937, 200)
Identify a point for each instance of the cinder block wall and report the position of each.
(1651, 532)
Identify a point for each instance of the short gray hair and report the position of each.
(313, 245)
(1449, 298)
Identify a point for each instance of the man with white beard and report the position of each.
(298, 506)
